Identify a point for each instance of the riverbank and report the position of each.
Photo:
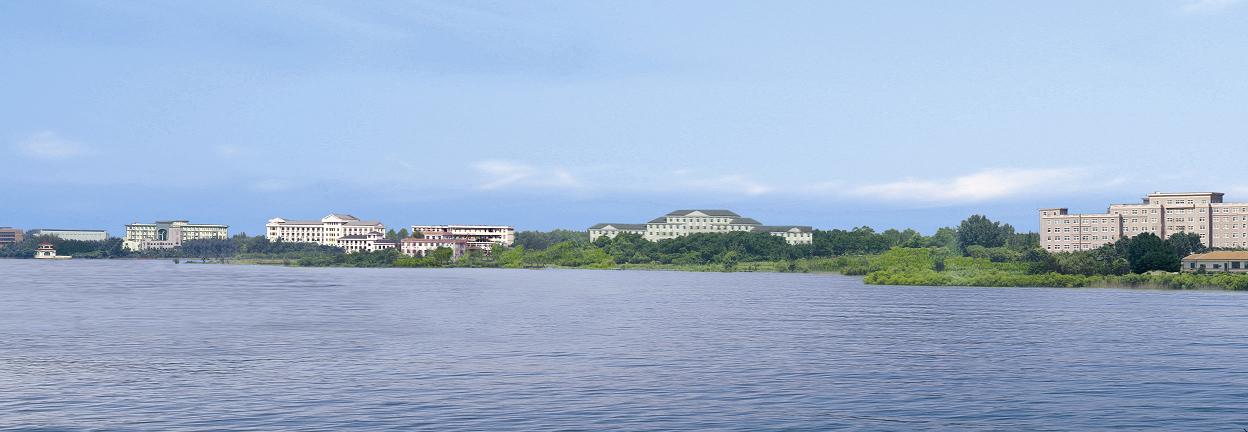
(904, 266)
(900, 266)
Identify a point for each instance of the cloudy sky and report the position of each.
(562, 114)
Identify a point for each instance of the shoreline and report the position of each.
(1159, 282)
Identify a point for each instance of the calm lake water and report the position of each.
(149, 345)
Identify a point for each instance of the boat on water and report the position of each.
(48, 251)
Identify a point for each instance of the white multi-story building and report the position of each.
(371, 242)
(479, 237)
(422, 246)
(170, 234)
(326, 231)
(684, 222)
(72, 234)
(1219, 224)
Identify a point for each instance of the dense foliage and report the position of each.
(543, 239)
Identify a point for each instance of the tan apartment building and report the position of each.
(170, 234)
(325, 231)
(681, 223)
(10, 236)
(1219, 224)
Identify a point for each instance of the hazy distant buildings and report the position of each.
(684, 222)
(326, 231)
(10, 236)
(1219, 224)
(72, 234)
(170, 234)
(479, 237)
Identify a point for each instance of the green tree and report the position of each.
(1185, 244)
(944, 238)
(981, 231)
(539, 240)
(403, 233)
(1147, 252)
(1039, 261)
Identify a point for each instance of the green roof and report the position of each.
(618, 226)
(706, 212)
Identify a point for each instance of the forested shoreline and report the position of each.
(978, 252)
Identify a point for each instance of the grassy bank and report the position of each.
(929, 267)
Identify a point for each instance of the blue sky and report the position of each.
(563, 114)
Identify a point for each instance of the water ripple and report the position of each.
(149, 345)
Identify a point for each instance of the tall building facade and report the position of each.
(684, 222)
(325, 231)
(170, 234)
(1219, 224)
(10, 236)
(478, 237)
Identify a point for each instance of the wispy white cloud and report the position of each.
(1208, 6)
(500, 174)
(48, 145)
(732, 183)
(983, 185)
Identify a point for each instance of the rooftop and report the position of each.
(619, 226)
(421, 240)
(784, 228)
(73, 230)
(713, 212)
(1184, 193)
(1220, 255)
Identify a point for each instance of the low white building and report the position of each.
(422, 246)
(170, 234)
(481, 237)
(371, 242)
(684, 222)
(326, 231)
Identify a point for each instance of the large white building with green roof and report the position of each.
(326, 231)
(684, 222)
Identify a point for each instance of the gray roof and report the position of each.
(360, 222)
(344, 216)
(73, 230)
(618, 226)
(744, 221)
(662, 219)
(783, 228)
(706, 212)
(302, 222)
(354, 237)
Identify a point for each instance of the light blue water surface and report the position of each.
(150, 345)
